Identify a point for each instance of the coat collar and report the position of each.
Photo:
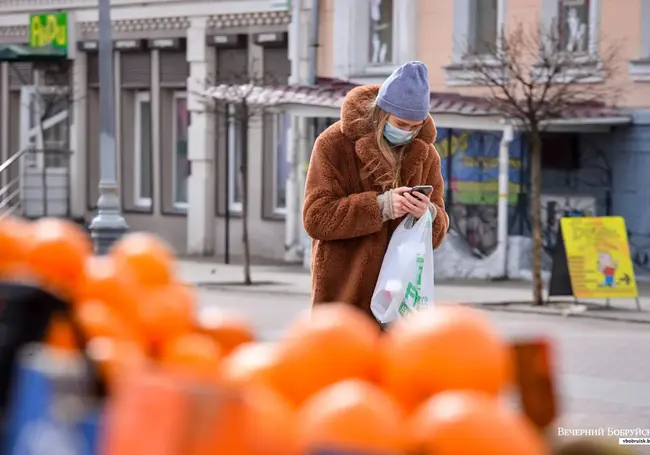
(356, 125)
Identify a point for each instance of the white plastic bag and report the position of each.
(405, 282)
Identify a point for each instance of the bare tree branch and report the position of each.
(531, 77)
(234, 96)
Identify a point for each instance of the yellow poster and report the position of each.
(598, 257)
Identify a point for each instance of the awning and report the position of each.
(448, 109)
(22, 53)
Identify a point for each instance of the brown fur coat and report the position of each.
(341, 213)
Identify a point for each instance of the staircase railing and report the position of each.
(10, 201)
(35, 183)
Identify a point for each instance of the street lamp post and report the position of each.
(109, 224)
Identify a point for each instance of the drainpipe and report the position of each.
(305, 136)
(502, 209)
(314, 21)
(303, 71)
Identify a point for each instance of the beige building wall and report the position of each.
(621, 26)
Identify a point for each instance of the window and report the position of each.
(484, 28)
(640, 67)
(573, 23)
(477, 30)
(234, 160)
(381, 32)
(372, 37)
(280, 163)
(577, 24)
(181, 164)
(142, 150)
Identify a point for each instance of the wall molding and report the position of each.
(19, 33)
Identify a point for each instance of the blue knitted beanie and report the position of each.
(405, 93)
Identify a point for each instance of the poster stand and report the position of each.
(591, 259)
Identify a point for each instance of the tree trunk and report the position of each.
(536, 215)
(244, 186)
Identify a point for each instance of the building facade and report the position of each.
(178, 156)
(593, 162)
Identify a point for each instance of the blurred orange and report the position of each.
(99, 320)
(165, 312)
(146, 257)
(441, 349)
(226, 328)
(195, 355)
(255, 421)
(116, 359)
(103, 281)
(14, 244)
(59, 334)
(351, 416)
(252, 364)
(468, 423)
(57, 253)
(337, 342)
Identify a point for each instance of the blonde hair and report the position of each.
(389, 155)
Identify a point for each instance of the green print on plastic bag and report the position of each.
(413, 292)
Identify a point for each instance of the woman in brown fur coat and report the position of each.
(358, 182)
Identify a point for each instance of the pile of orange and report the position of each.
(332, 382)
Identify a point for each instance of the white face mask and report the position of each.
(397, 136)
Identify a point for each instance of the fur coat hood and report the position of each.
(357, 126)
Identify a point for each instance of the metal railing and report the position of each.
(10, 185)
(36, 183)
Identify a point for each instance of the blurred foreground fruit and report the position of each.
(226, 328)
(60, 335)
(352, 416)
(57, 253)
(146, 257)
(446, 348)
(116, 359)
(166, 312)
(14, 245)
(254, 421)
(470, 423)
(337, 342)
(194, 355)
(105, 282)
(252, 364)
(98, 320)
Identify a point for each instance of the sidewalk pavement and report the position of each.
(509, 296)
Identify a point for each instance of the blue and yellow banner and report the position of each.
(473, 159)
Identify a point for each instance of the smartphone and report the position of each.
(424, 189)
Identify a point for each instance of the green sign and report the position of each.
(49, 29)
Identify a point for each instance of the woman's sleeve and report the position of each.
(441, 223)
(328, 212)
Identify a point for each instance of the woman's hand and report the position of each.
(416, 203)
(399, 202)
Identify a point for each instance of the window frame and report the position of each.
(456, 74)
(639, 68)
(472, 40)
(590, 61)
(281, 211)
(593, 28)
(140, 201)
(177, 95)
(233, 172)
(352, 59)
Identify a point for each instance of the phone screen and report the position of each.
(425, 189)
